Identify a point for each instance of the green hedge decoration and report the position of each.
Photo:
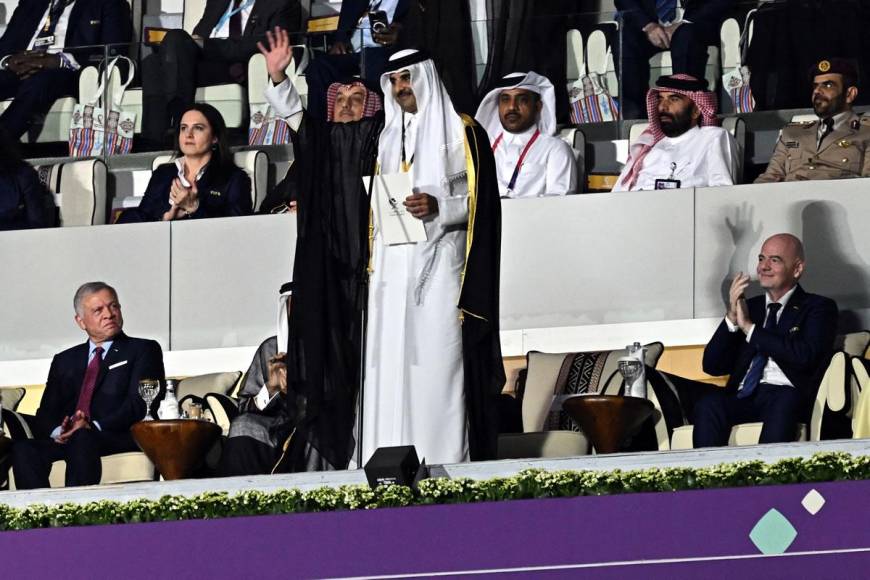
(528, 484)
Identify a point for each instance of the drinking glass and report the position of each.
(630, 368)
(148, 389)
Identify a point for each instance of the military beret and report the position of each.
(840, 66)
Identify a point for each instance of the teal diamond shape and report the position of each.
(773, 533)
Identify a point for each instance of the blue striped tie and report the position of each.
(759, 361)
(666, 10)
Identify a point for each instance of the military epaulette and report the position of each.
(803, 124)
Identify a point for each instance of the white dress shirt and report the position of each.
(549, 167)
(56, 47)
(222, 29)
(700, 157)
(772, 374)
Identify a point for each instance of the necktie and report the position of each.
(829, 128)
(89, 382)
(236, 20)
(666, 10)
(759, 361)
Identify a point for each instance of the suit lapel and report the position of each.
(793, 310)
(253, 18)
(81, 366)
(75, 23)
(111, 358)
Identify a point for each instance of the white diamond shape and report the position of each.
(813, 502)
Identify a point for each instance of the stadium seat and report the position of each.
(118, 468)
(838, 393)
(861, 412)
(577, 140)
(79, 187)
(540, 397)
(255, 163)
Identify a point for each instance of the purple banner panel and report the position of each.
(796, 531)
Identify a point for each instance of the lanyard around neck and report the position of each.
(519, 165)
(406, 165)
(230, 13)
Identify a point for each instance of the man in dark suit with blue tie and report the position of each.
(91, 396)
(651, 26)
(45, 45)
(775, 348)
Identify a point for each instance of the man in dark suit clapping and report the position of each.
(775, 348)
(45, 45)
(217, 53)
(91, 396)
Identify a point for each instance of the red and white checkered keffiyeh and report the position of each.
(372, 104)
(706, 103)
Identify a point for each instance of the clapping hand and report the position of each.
(72, 424)
(738, 312)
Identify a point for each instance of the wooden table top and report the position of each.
(608, 420)
(176, 446)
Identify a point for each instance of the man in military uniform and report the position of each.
(837, 146)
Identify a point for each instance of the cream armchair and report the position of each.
(833, 408)
(549, 378)
(79, 188)
(118, 468)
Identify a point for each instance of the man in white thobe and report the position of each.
(682, 147)
(414, 389)
(520, 118)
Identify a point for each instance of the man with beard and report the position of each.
(682, 147)
(346, 102)
(834, 147)
(433, 367)
(520, 119)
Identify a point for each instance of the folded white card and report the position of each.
(392, 219)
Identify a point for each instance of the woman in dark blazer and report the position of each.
(202, 181)
(24, 202)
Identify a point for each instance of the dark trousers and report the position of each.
(32, 458)
(688, 53)
(246, 456)
(171, 75)
(717, 410)
(33, 96)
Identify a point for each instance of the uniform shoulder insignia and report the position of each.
(865, 120)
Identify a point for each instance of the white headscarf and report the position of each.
(440, 144)
(283, 331)
(487, 113)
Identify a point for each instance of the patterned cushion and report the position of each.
(548, 375)
(589, 373)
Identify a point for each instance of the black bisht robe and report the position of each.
(479, 299)
(324, 357)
